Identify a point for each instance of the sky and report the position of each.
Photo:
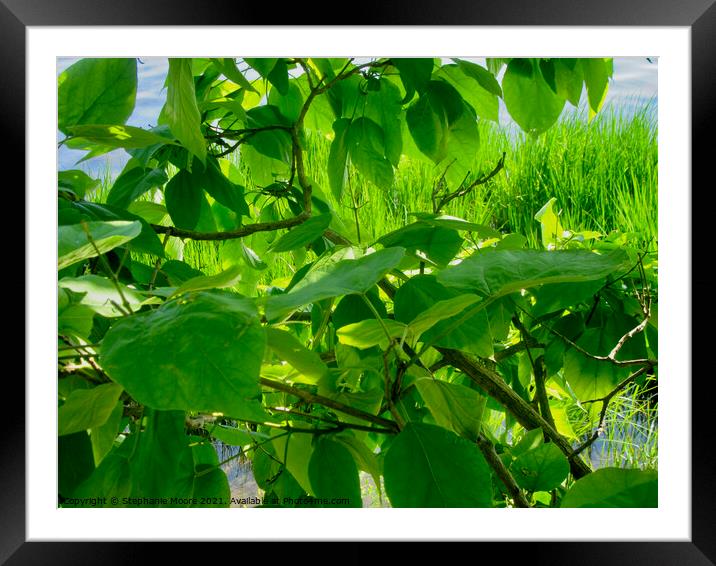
(634, 84)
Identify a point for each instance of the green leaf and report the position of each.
(99, 294)
(344, 277)
(163, 465)
(274, 143)
(228, 68)
(614, 487)
(384, 108)
(500, 272)
(132, 184)
(540, 469)
(181, 112)
(75, 462)
(428, 466)
(112, 478)
(236, 436)
(483, 101)
(596, 79)
(223, 190)
(364, 458)
(183, 197)
(440, 310)
(455, 223)
(454, 406)
(96, 91)
(74, 243)
(481, 75)
(87, 408)
(552, 230)
(414, 73)
(590, 378)
(430, 117)
(146, 242)
(201, 352)
(569, 79)
(227, 278)
(436, 244)
(211, 486)
(366, 147)
(420, 293)
(103, 436)
(333, 474)
(529, 100)
(76, 181)
(338, 157)
(294, 450)
(372, 332)
(114, 136)
(560, 296)
(303, 234)
(289, 104)
(290, 350)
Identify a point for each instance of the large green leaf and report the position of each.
(429, 466)
(227, 278)
(342, 278)
(569, 79)
(181, 112)
(101, 295)
(303, 234)
(482, 100)
(441, 310)
(371, 332)
(430, 117)
(104, 435)
(227, 67)
(162, 465)
(414, 73)
(384, 108)
(200, 352)
(183, 197)
(338, 157)
(540, 469)
(423, 292)
(367, 151)
(146, 241)
(96, 91)
(221, 188)
(596, 77)
(75, 241)
(333, 474)
(453, 406)
(76, 181)
(290, 350)
(529, 99)
(500, 272)
(114, 136)
(614, 487)
(87, 408)
(426, 241)
(294, 450)
(132, 184)
(111, 479)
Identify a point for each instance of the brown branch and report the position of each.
(488, 451)
(326, 402)
(603, 413)
(232, 234)
(461, 192)
(337, 425)
(496, 388)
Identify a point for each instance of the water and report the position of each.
(633, 85)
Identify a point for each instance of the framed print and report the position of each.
(407, 263)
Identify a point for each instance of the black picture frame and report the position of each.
(698, 15)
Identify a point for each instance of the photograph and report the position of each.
(358, 282)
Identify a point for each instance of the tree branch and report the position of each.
(326, 402)
(488, 451)
(232, 234)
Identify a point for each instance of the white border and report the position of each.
(670, 522)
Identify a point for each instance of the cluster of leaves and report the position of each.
(438, 360)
